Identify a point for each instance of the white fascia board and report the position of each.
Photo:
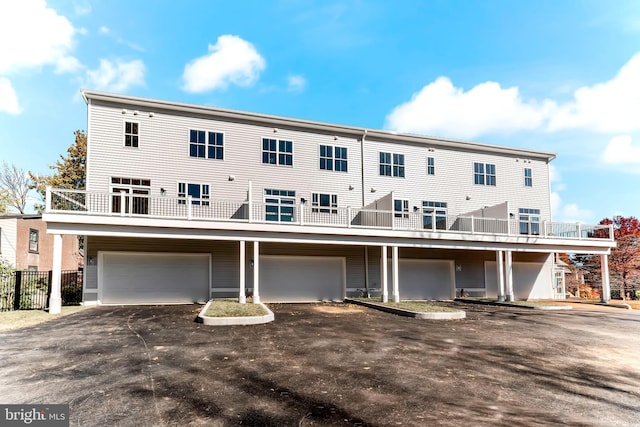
(235, 231)
(270, 120)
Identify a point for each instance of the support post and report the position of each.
(604, 272)
(55, 301)
(242, 297)
(509, 275)
(256, 272)
(383, 275)
(394, 273)
(250, 203)
(123, 202)
(189, 208)
(47, 204)
(500, 274)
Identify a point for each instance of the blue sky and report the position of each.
(560, 76)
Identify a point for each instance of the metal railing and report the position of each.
(204, 209)
(30, 290)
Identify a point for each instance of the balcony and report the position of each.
(127, 205)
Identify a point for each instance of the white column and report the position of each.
(55, 302)
(383, 275)
(500, 274)
(256, 272)
(242, 298)
(604, 272)
(394, 273)
(509, 275)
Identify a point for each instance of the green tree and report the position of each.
(70, 170)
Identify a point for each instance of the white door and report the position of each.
(301, 278)
(423, 279)
(152, 278)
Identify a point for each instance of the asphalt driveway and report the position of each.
(330, 365)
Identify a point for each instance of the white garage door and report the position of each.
(153, 278)
(301, 279)
(526, 275)
(423, 279)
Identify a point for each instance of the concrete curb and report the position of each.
(229, 321)
(440, 315)
(508, 304)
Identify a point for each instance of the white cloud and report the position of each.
(32, 35)
(81, 8)
(620, 150)
(555, 178)
(104, 29)
(116, 76)
(68, 64)
(570, 212)
(441, 108)
(296, 83)
(231, 60)
(8, 98)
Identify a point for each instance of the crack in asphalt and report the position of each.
(148, 353)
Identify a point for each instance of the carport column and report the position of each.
(242, 298)
(55, 301)
(256, 272)
(604, 272)
(394, 272)
(500, 274)
(509, 275)
(383, 274)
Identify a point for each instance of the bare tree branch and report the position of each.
(16, 184)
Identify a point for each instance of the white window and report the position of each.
(279, 205)
(33, 240)
(529, 221)
(333, 158)
(277, 152)
(431, 166)
(434, 214)
(205, 144)
(199, 193)
(392, 164)
(324, 203)
(401, 208)
(484, 174)
(131, 134)
(528, 177)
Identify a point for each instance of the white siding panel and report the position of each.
(8, 239)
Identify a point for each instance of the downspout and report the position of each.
(366, 248)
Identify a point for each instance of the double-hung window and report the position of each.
(277, 152)
(401, 208)
(529, 221)
(434, 214)
(205, 144)
(199, 193)
(279, 205)
(33, 240)
(392, 164)
(484, 174)
(528, 177)
(431, 166)
(131, 134)
(333, 158)
(324, 203)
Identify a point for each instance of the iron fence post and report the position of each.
(17, 291)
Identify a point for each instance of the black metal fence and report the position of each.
(30, 290)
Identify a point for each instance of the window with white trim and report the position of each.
(131, 134)
(33, 240)
(528, 177)
(205, 144)
(279, 205)
(434, 214)
(401, 208)
(333, 158)
(277, 152)
(431, 166)
(529, 220)
(199, 193)
(324, 203)
(484, 174)
(391, 164)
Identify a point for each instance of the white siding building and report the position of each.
(186, 202)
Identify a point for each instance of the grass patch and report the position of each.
(417, 306)
(10, 320)
(229, 307)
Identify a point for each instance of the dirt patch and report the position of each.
(337, 308)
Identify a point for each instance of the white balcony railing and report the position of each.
(137, 205)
